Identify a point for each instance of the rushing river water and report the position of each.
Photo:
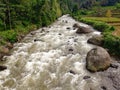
(51, 58)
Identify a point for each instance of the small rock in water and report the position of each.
(114, 66)
(35, 40)
(75, 40)
(68, 28)
(70, 49)
(103, 87)
(71, 71)
(59, 34)
(2, 68)
(86, 77)
(42, 30)
(32, 33)
(76, 25)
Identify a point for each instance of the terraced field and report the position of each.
(112, 21)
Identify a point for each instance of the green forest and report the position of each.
(19, 17)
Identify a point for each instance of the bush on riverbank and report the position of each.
(12, 36)
(112, 43)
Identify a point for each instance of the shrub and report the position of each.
(9, 35)
(112, 43)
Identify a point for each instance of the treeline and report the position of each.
(15, 13)
(78, 4)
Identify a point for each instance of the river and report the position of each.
(51, 58)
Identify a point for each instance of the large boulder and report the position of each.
(96, 40)
(97, 59)
(83, 30)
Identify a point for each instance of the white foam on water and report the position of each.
(45, 64)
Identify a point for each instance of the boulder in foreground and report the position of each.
(97, 59)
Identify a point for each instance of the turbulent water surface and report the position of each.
(51, 58)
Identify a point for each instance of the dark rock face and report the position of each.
(96, 40)
(97, 59)
(83, 30)
(2, 68)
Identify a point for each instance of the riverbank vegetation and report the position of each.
(18, 17)
(105, 19)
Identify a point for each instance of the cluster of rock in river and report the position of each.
(98, 58)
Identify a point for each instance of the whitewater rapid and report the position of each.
(51, 58)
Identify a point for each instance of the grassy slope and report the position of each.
(111, 21)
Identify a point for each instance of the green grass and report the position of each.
(12, 36)
(104, 19)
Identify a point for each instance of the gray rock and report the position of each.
(83, 30)
(2, 68)
(96, 40)
(97, 59)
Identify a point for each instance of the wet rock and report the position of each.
(75, 40)
(83, 30)
(59, 34)
(1, 56)
(43, 30)
(86, 77)
(97, 59)
(35, 40)
(68, 28)
(114, 66)
(96, 40)
(76, 25)
(32, 33)
(103, 88)
(9, 45)
(71, 71)
(4, 50)
(2, 68)
(70, 49)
